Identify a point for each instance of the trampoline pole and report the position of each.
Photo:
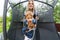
(4, 19)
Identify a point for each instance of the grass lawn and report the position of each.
(1, 27)
(1, 24)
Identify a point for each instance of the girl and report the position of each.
(31, 25)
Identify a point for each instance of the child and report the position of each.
(29, 25)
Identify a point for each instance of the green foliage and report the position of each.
(57, 12)
(1, 23)
(9, 19)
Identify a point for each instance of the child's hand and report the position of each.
(27, 30)
(37, 18)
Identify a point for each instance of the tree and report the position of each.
(57, 12)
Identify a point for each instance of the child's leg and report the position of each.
(26, 38)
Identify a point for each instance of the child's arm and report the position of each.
(24, 30)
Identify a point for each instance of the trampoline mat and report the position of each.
(44, 32)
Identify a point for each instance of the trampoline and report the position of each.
(46, 26)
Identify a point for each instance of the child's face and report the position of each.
(29, 15)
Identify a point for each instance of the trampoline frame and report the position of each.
(5, 14)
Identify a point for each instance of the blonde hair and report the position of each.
(27, 9)
(28, 14)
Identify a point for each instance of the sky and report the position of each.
(1, 7)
